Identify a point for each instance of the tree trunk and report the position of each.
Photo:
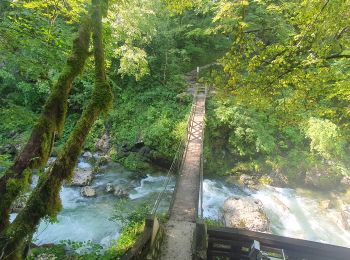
(45, 200)
(38, 148)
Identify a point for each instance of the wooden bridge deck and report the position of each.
(183, 213)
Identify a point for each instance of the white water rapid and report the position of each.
(292, 213)
(84, 219)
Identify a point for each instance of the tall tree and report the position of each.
(51, 121)
(44, 200)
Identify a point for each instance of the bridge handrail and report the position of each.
(226, 241)
(185, 140)
(200, 194)
(177, 162)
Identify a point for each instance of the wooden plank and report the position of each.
(230, 242)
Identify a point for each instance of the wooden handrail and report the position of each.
(229, 241)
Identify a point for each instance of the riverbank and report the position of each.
(93, 225)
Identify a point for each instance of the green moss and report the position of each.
(213, 222)
(265, 180)
(15, 186)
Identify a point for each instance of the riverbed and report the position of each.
(292, 213)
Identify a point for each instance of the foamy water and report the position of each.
(83, 219)
(291, 213)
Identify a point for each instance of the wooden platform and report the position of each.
(228, 244)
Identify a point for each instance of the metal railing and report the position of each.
(237, 244)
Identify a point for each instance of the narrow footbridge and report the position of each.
(185, 236)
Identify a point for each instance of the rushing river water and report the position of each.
(291, 212)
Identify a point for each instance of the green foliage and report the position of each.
(133, 221)
(126, 215)
(5, 161)
(325, 138)
(127, 238)
(78, 251)
(35, 37)
(57, 251)
(287, 65)
(16, 123)
(155, 117)
(247, 133)
(213, 222)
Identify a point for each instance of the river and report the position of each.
(292, 213)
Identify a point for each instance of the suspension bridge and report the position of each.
(185, 236)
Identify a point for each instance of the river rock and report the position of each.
(245, 213)
(345, 181)
(82, 177)
(88, 191)
(326, 204)
(247, 180)
(120, 192)
(103, 160)
(109, 188)
(103, 143)
(87, 155)
(312, 177)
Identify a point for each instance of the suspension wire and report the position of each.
(166, 180)
(177, 161)
(200, 195)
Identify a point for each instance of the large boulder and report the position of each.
(82, 177)
(88, 191)
(245, 213)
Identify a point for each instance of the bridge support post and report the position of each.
(153, 224)
(200, 241)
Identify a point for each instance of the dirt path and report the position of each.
(183, 214)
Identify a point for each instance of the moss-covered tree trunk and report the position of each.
(44, 200)
(38, 148)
